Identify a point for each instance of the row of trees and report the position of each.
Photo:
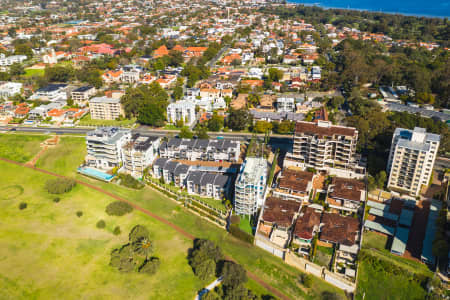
(208, 261)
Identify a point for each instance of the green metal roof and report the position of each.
(379, 227)
(400, 240)
(383, 213)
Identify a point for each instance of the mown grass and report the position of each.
(34, 72)
(87, 121)
(19, 147)
(47, 252)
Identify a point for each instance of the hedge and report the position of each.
(238, 233)
(59, 185)
(118, 208)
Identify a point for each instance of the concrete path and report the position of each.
(210, 287)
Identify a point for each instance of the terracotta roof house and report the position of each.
(294, 185)
(306, 227)
(346, 195)
(337, 229)
(160, 52)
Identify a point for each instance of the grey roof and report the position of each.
(383, 213)
(413, 110)
(181, 169)
(104, 100)
(400, 240)
(195, 177)
(52, 87)
(379, 227)
(170, 166)
(161, 162)
(174, 142)
(221, 180)
(208, 178)
(82, 89)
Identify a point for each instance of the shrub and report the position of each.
(150, 266)
(137, 233)
(130, 182)
(116, 230)
(237, 232)
(235, 219)
(118, 208)
(306, 280)
(59, 185)
(22, 205)
(101, 224)
(79, 213)
(56, 199)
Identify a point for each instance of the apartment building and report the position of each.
(9, 89)
(285, 104)
(294, 185)
(10, 60)
(324, 146)
(105, 147)
(250, 186)
(104, 108)
(181, 111)
(81, 95)
(346, 195)
(211, 182)
(411, 159)
(51, 92)
(200, 149)
(139, 153)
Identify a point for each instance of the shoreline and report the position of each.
(318, 4)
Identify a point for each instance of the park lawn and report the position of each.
(34, 72)
(47, 252)
(55, 158)
(268, 267)
(87, 121)
(19, 147)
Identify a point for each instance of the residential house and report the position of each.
(10, 89)
(306, 227)
(294, 185)
(346, 195)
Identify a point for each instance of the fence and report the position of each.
(202, 208)
(309, 267)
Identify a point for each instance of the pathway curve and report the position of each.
(251, 275)
(210, 287)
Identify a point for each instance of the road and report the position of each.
(208, 288)
(277, 138)
(180, 230)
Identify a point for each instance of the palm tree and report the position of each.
(143, 247)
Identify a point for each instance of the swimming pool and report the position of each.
(95, 173)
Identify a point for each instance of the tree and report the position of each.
(233, 275)
(215, 123)
(122, 259)
(205, 269)
(211, 295)
(204, 257)
(23, 49)
(150, 266)
(59, 73)
(238, 119)
(143, 246)
(275, 74)
(262, 126)
(201, 132)
(186, 133)
(16, 69)
(440, 249)
(118, 208)
(177, 92)
(138, 232)
(381, 179)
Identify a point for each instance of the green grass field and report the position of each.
(20, 147)
(374, 240)
(87, 121)
(61, 228)
(47, 252)
(33, 72)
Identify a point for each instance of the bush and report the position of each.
(235, 219)
(237, 232)
(22, 205)
(118, 208)
(56, 199)
(130, 182)
(59, 185)
(116, 230)
(101, 224)
(306, 280)
(79, 213)
(150, 266)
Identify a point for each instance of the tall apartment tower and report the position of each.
(411, 159)
(250, 186)
(324, 146)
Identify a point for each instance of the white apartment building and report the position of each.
(9, 89)
(130, 74)
(411, 159)
(324, 146)
(51, 92)
(201, 149)
(139, 153)
(285, 104)
(81, 95)
(8, 61)
(105, 147)
(181, 110)
(104, 108)
(250, 186)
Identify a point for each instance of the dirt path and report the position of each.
(149, 213)
(49, 142)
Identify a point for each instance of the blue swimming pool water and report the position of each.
(95, 173)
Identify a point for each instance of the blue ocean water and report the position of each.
(431, 8)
